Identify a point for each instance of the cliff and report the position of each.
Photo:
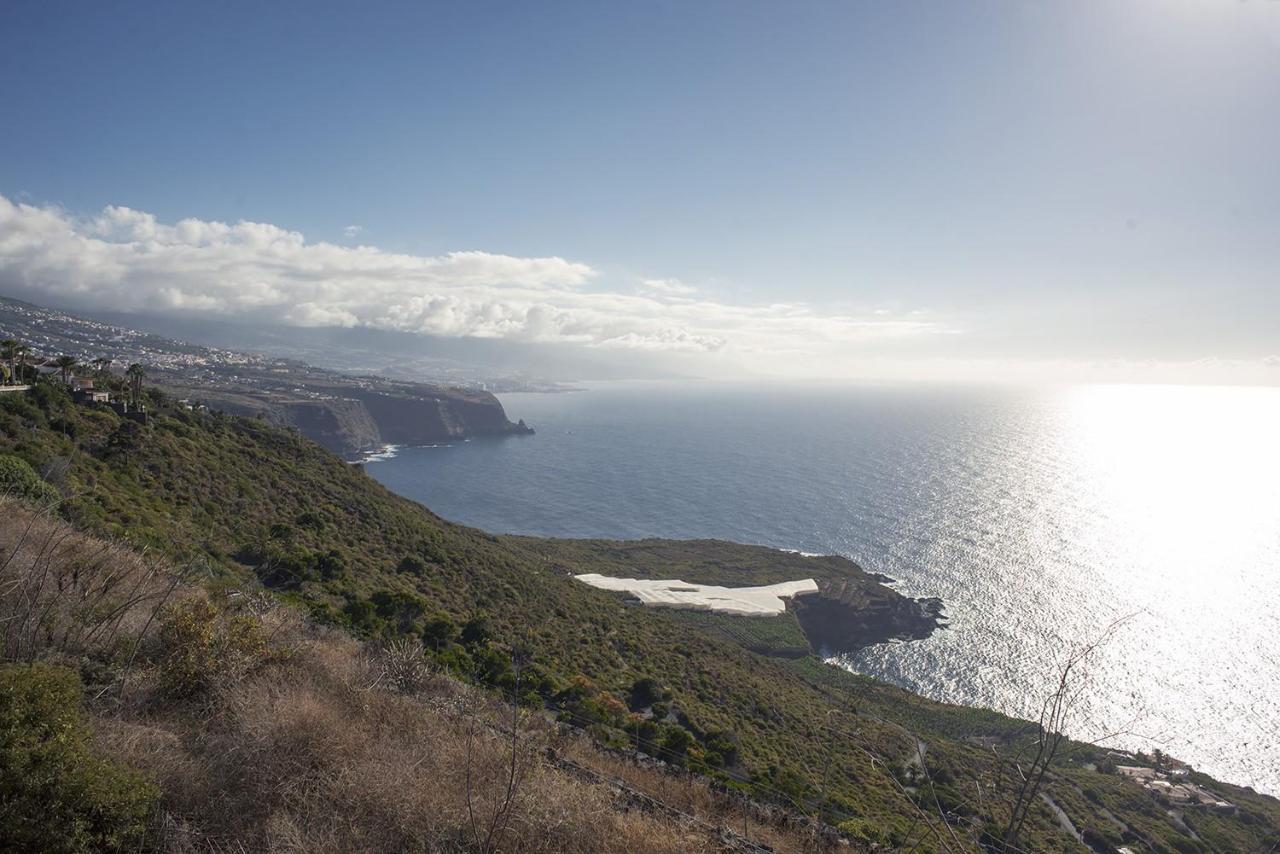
(423, 415)
(846, 617)
(351, 420)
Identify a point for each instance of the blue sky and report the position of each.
(923, 187)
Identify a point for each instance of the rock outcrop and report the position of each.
(843, 618)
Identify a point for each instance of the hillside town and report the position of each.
(91, 383)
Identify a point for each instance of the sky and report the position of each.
(838, 189)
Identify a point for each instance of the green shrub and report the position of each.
(198, 649)
(438, 633)
(861, 830)
(413, 565)
(56, 793)
(476, 631)
(645, 692)
(676, 743)
(19, 480)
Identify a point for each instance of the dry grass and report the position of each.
(68, 594)
(325, 745)
(763, 824)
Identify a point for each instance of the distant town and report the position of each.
(353, 415)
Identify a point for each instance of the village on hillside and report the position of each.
(21, 366)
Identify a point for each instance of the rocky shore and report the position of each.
(842, 618)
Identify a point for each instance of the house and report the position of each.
(1178, 791)
(90, 395)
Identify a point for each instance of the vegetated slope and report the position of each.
(144, 714)
(239, 499)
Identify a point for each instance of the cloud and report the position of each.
(668, 287)
(125, 260)
(351, 231)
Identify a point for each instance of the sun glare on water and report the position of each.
(1187, 476)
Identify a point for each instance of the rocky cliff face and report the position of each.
(352, 421)
(343, 426)
(435, 415)
(844, 618)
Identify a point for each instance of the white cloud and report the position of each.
(668, 287)
(125, 260)
(351, 231)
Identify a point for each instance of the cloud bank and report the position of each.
(126, 260)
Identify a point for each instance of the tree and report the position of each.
(22, 351)
(135, 374)
(125, 440)
(65, 364)
(9, 352)
(101, 364)
(1055, 713)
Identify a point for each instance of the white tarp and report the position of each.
(666, 593)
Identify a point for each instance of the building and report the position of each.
(1178, 791)
(90, 395)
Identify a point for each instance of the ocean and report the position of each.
(1045, 519)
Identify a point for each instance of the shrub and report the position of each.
(475, 631)
(404, 666)
(311, 520)
(645, 692)
(360, 614)
(413, 565)
(438, 633)
(676, 743)
(19, 480)
(198, 649)
(330, 564)
(722, 748)
(861, 830)
(56, 793)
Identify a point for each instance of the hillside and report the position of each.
(350, 415)
(230, 721)
(239, 503)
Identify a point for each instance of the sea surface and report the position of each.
(1040, 517)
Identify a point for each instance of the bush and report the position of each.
(861, 830)
(438, 633)
(645, 692)
(413, 565)
(19, 480)
(56, 793)
(198, 650)
(475, 631)
(676, 743)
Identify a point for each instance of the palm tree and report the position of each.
(101, 364)
(23, 352)
(8, 352)
(65, 364)
(134, 373)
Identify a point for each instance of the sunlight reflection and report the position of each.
(1187, 503)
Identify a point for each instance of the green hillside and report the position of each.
(236, 500)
